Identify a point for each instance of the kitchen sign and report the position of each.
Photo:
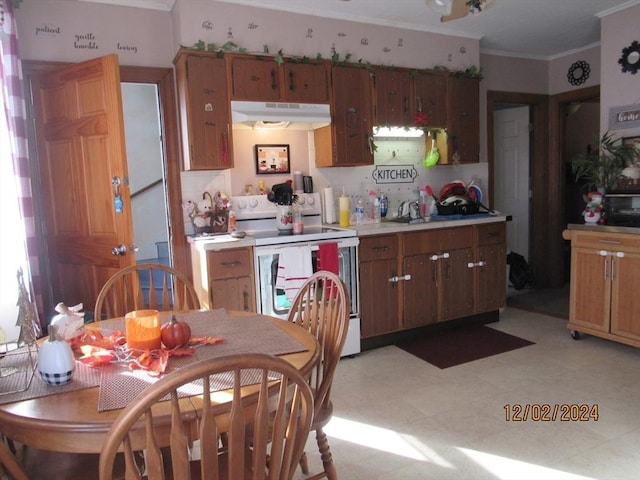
(394, 174)
(624, 117)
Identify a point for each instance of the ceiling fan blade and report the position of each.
(459, 9)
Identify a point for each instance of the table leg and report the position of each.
(10, 463)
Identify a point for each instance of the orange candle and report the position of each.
(143, 329)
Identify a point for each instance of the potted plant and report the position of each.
(603, 167)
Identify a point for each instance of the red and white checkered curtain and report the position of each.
(13, 101)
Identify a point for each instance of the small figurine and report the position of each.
(593, 210)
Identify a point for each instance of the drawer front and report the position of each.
(378, 247)
(447, 239)
(232, 263)
(606, 241)
(492, 234)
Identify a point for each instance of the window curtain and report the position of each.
(18, 243)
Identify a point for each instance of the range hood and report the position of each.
(279, 115)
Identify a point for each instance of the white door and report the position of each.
(511, 141)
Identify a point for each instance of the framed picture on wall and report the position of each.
(272, 159)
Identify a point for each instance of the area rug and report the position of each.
(448, 348)
(553, 301)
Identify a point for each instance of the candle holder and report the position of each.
(143, 330)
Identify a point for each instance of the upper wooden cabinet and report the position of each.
(430, 94)
(401, 93)
(205, 111)
(263, 79)
(463, 120)
(394, 97)
(348, 141)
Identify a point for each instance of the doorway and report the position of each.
(544, 246)
(145, 156)
(163, 80)
(511, 173)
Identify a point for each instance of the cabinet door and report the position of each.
(430, 94)
(352, 115)
(625, 301)
(255, 79)
(233, 294)
(456, 284)
(490, 267)
(378, 298)
(205, 117)
(306, 82)
(420, 298)
(393, 97)
(491, 277)
(464, 120)
(590, 295)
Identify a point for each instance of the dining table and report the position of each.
(77, 420)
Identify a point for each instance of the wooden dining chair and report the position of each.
(145, 286)
(279, 414)
(322, 307)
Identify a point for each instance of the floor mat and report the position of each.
(448, 348)
(552, 301)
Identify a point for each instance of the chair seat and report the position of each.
(322, 416)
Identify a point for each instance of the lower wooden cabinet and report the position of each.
(423, 277)
(224, 278)
(605, 272)
(378, 296)
(489, 267)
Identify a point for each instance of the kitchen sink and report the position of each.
(406, 220)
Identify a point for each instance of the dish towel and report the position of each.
(328, 257)
(294, 268)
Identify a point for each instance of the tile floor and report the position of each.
(397, 417)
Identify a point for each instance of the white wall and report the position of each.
(618, 88)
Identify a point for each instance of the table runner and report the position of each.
(242, 334)
(83, 377)
(118, 385)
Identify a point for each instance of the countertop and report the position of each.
(225, 241)
(603, 228)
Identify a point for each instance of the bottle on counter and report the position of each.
(376, 211)
(359, 211)
(232, 219)
(261, 188)
(345, 210)
(384, 205)
(298, 224)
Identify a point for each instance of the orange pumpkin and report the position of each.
(175, 333)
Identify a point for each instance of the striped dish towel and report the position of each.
(294, 268)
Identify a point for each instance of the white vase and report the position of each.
(284, 218)
(55, 360)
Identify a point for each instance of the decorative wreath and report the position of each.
(578, 73)
(629, 61)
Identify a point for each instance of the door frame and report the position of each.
(545, 245)
(163, 78)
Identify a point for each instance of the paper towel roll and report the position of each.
(329, 206)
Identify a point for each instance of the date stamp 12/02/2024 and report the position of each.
(545, 412)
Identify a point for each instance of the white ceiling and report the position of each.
(543, 29)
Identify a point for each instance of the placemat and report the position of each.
(242, 334)
(83, 377)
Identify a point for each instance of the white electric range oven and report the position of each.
(256, 216)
